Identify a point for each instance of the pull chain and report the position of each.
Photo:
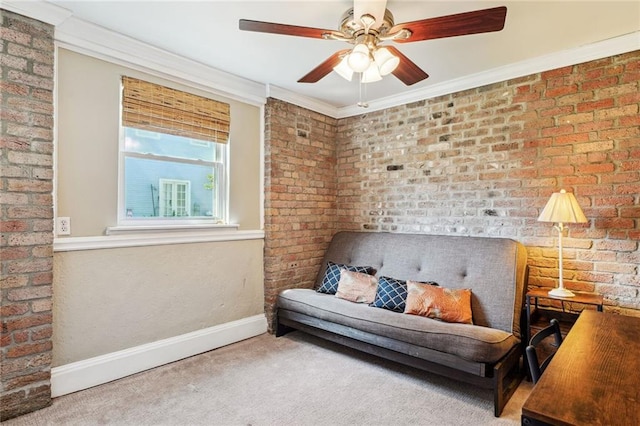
(361, 102)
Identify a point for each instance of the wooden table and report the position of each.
(594, 378)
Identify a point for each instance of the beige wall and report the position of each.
(87, 146)
(107, 300)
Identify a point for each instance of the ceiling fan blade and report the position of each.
(407, 71)
(284, 29)
(324, 68)
(478, 21)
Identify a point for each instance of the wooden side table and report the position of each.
(582, 298)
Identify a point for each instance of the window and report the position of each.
(173, 156)
(175, 198)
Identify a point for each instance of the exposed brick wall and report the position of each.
(479, 162)
(26, 141)
(300, 201)
(485, 161)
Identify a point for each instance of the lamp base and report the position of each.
(561, 292)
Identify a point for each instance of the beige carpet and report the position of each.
(292, 380)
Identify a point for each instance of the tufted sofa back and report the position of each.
(493, 268)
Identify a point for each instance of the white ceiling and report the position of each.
(207, 32)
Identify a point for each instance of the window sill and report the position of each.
(146, 229)
(156, 235)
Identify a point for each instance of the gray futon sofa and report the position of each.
(486, 353)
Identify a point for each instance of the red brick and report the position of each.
(14, 281)
(28, 322)
(557, 171)
(605, 114)
(558, 72)
(26, 380)
(594, 126)
(561, 91)
(544, 142)
(620, 178)
(595, 105)
(13, 309)
(628, 189)
(12, 253)
(595, 168)
(28, 349)
(30, 158)
(630, 165)
(557, 150)
(594, 146)
(41, 305)
(630, 120)
(629, 98)
(10, 34)
(617, 223)
(632, 212)
(579, 180)
(30, 212)
(28, 293)
(5, 339)
(14, 226)
(584, 117)
(558, 130)
(571, 139)
(21, 336)
(27, 363)
(599, 84)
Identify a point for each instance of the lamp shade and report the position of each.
(359, 58)
(386, 61)
(371, 74)
(562, 207)
(343, 69)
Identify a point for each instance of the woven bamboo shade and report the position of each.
(149, 106)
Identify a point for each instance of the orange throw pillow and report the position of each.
(450, 305)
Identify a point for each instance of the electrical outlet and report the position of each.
(64, 226)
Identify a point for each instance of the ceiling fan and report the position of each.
(367, 25)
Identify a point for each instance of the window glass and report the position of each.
(171, 177)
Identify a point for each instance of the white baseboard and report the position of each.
(116, 365)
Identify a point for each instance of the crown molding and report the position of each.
(598, 50)
(42, 11)
(301, 100)
(90, 39)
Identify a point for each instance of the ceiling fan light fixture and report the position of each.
(371, 74)
(360, 58)
(385, 60)
(343, 69)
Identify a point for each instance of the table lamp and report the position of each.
(562, 208)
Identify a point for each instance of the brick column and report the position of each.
(300, 197)
(26, 206)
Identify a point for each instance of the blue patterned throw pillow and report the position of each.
(332, 276)
(392, 294)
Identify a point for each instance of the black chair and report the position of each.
(536, 368)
